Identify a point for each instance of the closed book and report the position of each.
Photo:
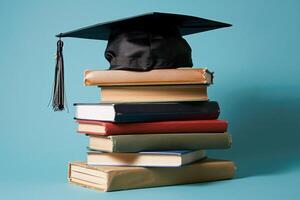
(112, 178)
(143, 112)
(160, 93)
(172, 141)
(187, 126)
(145, 159)
(154, 77)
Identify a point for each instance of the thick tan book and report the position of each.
(158, 93)
(154, 77)
(166, 141)
(110, 178)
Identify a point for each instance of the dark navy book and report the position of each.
(144, 112)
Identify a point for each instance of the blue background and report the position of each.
(256, 64)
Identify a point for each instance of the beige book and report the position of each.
(110, 178)
(154, 77)
(145, 159)
(166, 141)
(159, 93)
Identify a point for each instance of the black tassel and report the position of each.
(58, 94)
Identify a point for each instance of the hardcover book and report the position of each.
(154, 77)
(187, 126)
(145, 159)
(112, 178)
(172, 141)
(143, 112)
(161, 93)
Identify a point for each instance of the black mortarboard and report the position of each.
(140, 43)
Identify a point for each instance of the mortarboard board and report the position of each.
(140, 43)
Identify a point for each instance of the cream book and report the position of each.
(159, 93)
(166, 141)
(154, 77)
(145, 159)
(112, 178)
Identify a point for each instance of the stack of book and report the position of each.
(150, 129)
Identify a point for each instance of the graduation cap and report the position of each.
(140, 43)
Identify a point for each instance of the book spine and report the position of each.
(153, 177)
(153, 77)
(153, 93)
(201, 107)
(208, 126)
(144, 112)
(147, 117)
(191, 141)
(191, 126)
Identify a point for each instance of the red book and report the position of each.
(191, 126)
